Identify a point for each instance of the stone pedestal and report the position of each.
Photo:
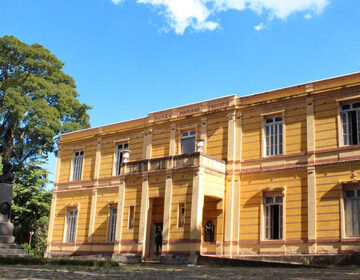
(8, 248)
(6, 228)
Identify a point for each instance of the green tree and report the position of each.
(38, 101)
(31, 205)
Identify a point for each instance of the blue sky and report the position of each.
(132, 57)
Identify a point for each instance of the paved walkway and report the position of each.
(162, 272)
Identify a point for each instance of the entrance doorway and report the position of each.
(155, 240)
(155, 227)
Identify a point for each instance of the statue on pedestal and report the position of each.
(6, 188)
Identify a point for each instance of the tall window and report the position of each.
(119, 156)
(273, 217)
(71, 226)
(352, 212)
(188, 142)
(77, 165)
(350, 118)
(112, 224)
(131, 217)
(181, 215)
(273, 136)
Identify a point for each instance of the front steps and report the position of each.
(12, 251)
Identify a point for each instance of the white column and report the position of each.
(197, 204)
(167, 210)
(230, 185)
(143, 215)
(120, 213)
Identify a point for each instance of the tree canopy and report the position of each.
(38, 101)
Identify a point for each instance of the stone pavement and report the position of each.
(162, 272)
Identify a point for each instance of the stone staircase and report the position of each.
(12, 251)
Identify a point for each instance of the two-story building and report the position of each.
(269, 173)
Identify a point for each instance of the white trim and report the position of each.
(350, 98)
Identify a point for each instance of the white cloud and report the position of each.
(196, 14)
(260, 26)
(116, 1)
(184, 13)
(308, 16)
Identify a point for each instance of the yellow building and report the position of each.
(270, 173)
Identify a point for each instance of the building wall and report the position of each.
(309, 173)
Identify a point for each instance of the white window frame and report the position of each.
(273, 140)
(346, 138)
(187, 134)
(71, 225)
(120, 147)
(77, 165)
(355, 213)
(112, 224)
(266, 214)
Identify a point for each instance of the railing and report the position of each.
(173, 162)
(158, 164)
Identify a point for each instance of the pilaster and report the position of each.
(120, 213)
(311, 173)
(92, 215)
(167, 211)
(144, 209)
(147, 147)
(311, 208)
(58, 166)
(237, 183)
(97, 161)
(172, 147)
(203, 131)
(197, 204)
(230, 185)
(310, 130)
(51, 222)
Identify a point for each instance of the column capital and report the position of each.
(310, 168)
(231, 115)
(169, 174)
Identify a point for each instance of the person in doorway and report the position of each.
(158, 239)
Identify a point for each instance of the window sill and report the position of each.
(273, 241)
(351, 239)
(273, 157)
(349, 147)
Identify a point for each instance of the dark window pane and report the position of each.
(350, 193)
(188, 145)
(345, 107)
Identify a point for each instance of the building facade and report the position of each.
(270, 173)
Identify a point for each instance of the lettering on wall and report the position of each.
(189, 110)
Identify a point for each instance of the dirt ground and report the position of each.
(162, 272)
